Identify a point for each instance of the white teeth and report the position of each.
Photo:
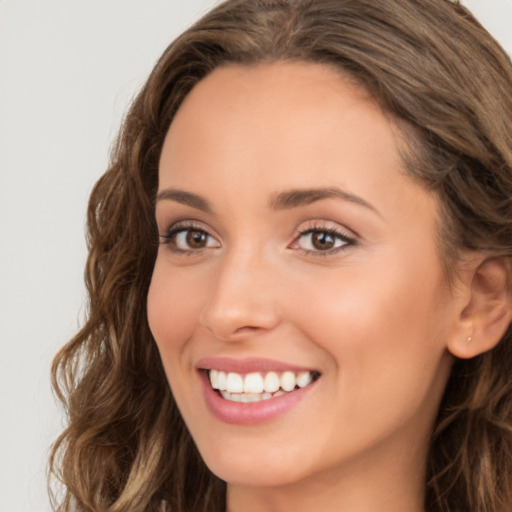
(253, 383)
(253, 387)
(234, 383)
(271, 382)
(303, 379)
(214, 378)
(218, 380)
(288, 381)
(250, 397)
(235, 397)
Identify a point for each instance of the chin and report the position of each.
(254, 475)
(254, 466)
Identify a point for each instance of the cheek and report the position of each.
(360, 306)
(385, 332)
(174, 305)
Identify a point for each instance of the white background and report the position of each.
(68, 68)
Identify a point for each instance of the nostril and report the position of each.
(227, 321)
(248, 328)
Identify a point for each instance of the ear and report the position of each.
(487, 312)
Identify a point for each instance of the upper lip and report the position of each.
(248, 365)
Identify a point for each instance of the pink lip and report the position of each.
(251, 413)
(247, 365)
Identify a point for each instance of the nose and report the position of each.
(243, 299)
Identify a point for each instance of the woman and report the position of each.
(324, 323)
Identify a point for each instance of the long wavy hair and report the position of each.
(429, 64)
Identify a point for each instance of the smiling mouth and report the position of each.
(257, 386)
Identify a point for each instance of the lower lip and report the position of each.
(250, 413)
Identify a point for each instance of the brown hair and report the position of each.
(427, 62)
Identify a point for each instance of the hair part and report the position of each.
(429, 64)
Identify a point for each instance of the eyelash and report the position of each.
(326, 230)
(170, 239)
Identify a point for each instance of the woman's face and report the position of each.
(294, 248)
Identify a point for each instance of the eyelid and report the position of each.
(346, 236)
(187, 225)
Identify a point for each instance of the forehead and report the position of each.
(253, 131)
(280, 110)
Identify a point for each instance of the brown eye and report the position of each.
(189, 239)
(322, 241)
(196, 239)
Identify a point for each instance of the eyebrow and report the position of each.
(186, 198)
(282, 201)
(302, 197)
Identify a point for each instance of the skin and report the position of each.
(374, 315)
